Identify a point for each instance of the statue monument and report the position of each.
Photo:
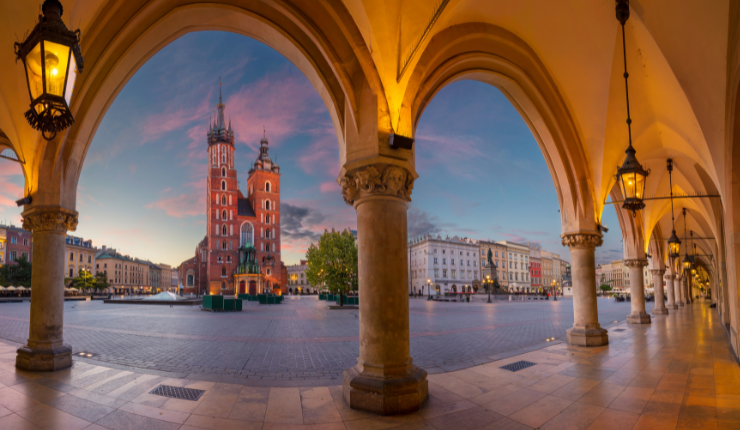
(490, 272)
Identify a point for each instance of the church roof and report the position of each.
(218, 133)
(245, 208)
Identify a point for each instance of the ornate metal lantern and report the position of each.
(51, 57)
(686, 258)
(674, 244)
(631, 176)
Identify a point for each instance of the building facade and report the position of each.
(498, 255)
(3, 246)
(517, 257)
(17, 244)
(446, 265)
(548, 278)
(126, 275)
(241, 251)
(297, 281)
(80, 256)
(535, 267)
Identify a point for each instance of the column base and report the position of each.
(641, 318)
(44, 360)
(385, 396)
(577, 336)
(680, 304)
(674, 306)
(661, 311)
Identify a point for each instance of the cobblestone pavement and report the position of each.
(299, 341)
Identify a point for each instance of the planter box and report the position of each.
(322, 296)
(262, 298)
(243, 296)
(330, 297)
(229, 304)
(213, 303)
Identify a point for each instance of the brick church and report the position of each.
(241, 250)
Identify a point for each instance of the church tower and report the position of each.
(264, 196)
(222, 207)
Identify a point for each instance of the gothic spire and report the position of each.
(220, 121)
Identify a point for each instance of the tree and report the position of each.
(16, 274)
(333, 263)
(605, 287)
(84, 279)
(101, 281)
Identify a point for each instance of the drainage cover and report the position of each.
(619, 329)
(519, 365)
(177, 392)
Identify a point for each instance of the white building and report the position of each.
(518, 261)
(447, 265)
(297, 281)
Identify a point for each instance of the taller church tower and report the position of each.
(222, 207)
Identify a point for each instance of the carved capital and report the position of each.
(659, 272)
(50, 218)
(582, 240)
(635, 263)
(377, 179)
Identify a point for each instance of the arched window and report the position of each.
(228, 259)
(247, 234)
(223, 215)
(267, 205)
(223, 199)
(267, 234)
(267, 187)
(267, 247)
(224, 231)
(223, 271)
(223, 185)
(223, 172)
(267, 219)
(190, 280)
(71, 256)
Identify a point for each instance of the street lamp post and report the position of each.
(429, 289)
(488, 285)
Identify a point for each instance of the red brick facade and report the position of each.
(235, 221)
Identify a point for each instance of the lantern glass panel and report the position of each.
(56, 65)
(34, 72)
(634, 183)
(71, 76)
(675, 248)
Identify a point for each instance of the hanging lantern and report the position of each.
(674, 246)
(51, 57)
(631, 176)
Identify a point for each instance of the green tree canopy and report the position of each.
(101, 281)
(16, 274)
(332, 264)
(84, 279)
(605, 287)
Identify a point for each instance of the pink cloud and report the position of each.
(174, 119)
(329, 187)
(321, 155)
(192, 204)
(449, 152)
(10, 176)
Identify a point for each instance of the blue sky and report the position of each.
(142, 188)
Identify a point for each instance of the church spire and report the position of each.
(220, 121)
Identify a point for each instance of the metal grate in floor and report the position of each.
(177, 392)
(519, 365)
(619, 329)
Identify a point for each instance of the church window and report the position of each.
(267, 219)
(223, 245)
(267, 187)
(267, 205)
(214, 157)
(223, 172)
(228, 259)
(246, 236)
(273, 233)
(223, 215)
(224, 231)
(223, 273)
(223, 185)
(267, 247)
(223, 199)
(267, 234)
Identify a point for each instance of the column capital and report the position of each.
(50, 219)
(582, 240)
(659, 272)
(379, 179)
(635, 263)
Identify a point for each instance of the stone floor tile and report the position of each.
(602, 394)
(698, 412)
(284, 406)
(514, 402)
(211, 423)
(612, 419)
(97, 398)
(329, 426)
(576, 389)
(506, 424)
(81, 408)
(541, 411)
(485, 382)
(37, 392)
(696, 424)
(378, 423)
(318, 406)
(577, 416)
(251, 405)
(219, 401)
(443, 395)
(48, 417)
(120, 420)
(16, 422)
(470, 419)
(156, 413)
(463, 389)
(434, 408)
(661, 409)
(649, 422)
(552, 383)
(491, 396)
(15, 401)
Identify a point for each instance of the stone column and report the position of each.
(671, 292)
(45, 349)
(659, 308)
(689, 299)
(678, 290)
(384, 381)
(586, 330)
(637, 292)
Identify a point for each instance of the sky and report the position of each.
(142, 188)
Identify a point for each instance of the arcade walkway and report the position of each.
(677, 372)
